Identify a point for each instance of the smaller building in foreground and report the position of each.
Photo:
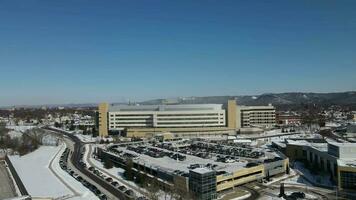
(204, 178)
(338, 159)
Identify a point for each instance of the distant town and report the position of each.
(179, 149)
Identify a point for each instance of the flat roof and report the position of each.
(180, 107)
(347, 162)
(345, 144)
(202, 170)
(170, 165)
(179, 129)
(318, 146)
(242, 107)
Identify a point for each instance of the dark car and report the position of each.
(109, 179)
(129, 193)
(114, 183)
(102, 197)
(122, 188)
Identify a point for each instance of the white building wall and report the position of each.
(196, 118)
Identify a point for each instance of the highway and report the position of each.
(75, 145)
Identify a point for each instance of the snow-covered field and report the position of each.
(82, 192)
(17, 131)
(34, 171)
(35, 174)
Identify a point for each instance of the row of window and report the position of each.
(163, 123)
(167, 115)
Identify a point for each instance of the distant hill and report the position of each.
(278, 99)
(281, 100)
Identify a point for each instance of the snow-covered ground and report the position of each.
(115, 172)
(34, 171)
(118, 174)
(323, 180)
(20, 128)
(15, 134)
(35, 174)
(298, 180)
(17, 131)
(87, 138)
(81, 191)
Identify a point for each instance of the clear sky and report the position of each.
(90, 51)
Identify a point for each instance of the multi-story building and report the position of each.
(141, 120)
(182, 120)
(256, 116)
(204, 183)
(160, 116)
(288, 118)
(337, 159)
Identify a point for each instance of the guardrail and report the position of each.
(18, 181)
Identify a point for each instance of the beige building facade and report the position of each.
(103, 119)
(195, 120)
(256, 116)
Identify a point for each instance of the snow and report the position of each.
(168, 164)
(115, 172)
(15, 134)
(83, 192)
(39, 180)
(35, 174)
(315, 179)
(86, 138)
(20, 128)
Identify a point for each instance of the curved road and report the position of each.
(75, 145)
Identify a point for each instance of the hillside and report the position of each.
(278, 99)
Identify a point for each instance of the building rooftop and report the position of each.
(171, 165)
(241, 107)
(202, 170)
(318, 146)
(347, 162)
(181, 107)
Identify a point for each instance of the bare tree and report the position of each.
(152, 188)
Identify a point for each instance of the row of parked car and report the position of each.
(227, 159)
(121, 153)
(63, 164)
(156, 153)
(122, 188)
(226, 150)
(185, 150)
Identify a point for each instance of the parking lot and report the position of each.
(190, 154)
(125, 193)
(176, 161)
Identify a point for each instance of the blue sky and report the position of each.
(90, 51)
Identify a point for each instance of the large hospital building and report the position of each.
(185, 120)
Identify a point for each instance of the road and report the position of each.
(75, 193)
(137, 190)
(75, 145)
(71, 146)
